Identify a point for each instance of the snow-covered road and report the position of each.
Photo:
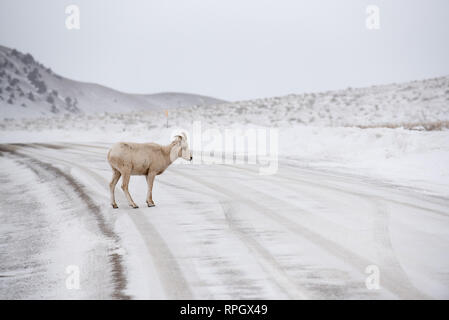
(224, 231)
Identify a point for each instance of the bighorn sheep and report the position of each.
(148, 159)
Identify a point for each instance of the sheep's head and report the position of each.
(181, 147)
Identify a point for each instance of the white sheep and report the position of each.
(148, 159)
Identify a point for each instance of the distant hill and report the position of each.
(29, 89)
(420, 103)
(178, 99)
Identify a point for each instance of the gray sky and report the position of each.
(233, 49)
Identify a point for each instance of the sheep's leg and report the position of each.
(125, 182)
(115, 177)
(150, 180)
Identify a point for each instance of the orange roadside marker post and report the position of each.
(166, 116)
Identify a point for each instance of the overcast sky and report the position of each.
(232, 49)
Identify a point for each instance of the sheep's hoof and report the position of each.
(134, 206)
(114, 206)
(150, 204)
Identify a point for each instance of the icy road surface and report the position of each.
(217, 231)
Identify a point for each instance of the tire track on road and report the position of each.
(404, 290)
(37, 166)
(265, 259)
(167, 266)
(296, 179)
(268, 261)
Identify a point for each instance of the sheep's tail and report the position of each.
(109, 158)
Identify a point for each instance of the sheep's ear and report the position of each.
(178, 138)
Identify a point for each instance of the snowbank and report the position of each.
(417, 159)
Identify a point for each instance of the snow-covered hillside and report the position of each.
(29, 89)
(407, 104)
(421, 105)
